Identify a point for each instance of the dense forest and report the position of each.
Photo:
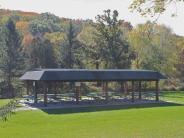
(30, 40)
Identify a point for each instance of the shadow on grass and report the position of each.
(107, 108)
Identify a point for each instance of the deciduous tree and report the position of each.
(116, 51)
(152, 7)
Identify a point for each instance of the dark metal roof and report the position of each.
(91, 75)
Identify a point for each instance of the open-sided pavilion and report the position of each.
(46, 76)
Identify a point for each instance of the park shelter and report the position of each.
(87, 75)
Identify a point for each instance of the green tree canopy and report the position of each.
(45, 22)
(42, 54)
(115, 50)
(152, 7)
(155, 48)
(11, 60)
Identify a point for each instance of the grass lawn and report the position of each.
(177, 97)
(143, 121)
(3, 101)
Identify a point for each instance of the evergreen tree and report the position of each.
(11, 61)
(71, 49)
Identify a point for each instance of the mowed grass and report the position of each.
(4, 101)
(175, 96)
(134, 121)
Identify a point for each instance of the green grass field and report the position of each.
(3, 101)
(141, 121)
(177, 97)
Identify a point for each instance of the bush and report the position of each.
(7, 110)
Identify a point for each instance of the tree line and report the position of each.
(46, 41)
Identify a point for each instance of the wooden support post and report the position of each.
(35, 92)
(55, 90)
(58, 86)
(133, 89)
(157, 90)
(27, 87)
(125, 89)
(122, 87)
(140, 95)
(106, 92)
(80, 93)
(103, 93)
(46, 89)
(77, 91)
(77, 94)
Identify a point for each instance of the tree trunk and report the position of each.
(10, 89)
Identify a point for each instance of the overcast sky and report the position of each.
(88, 9)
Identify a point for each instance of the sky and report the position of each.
(88, 9)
